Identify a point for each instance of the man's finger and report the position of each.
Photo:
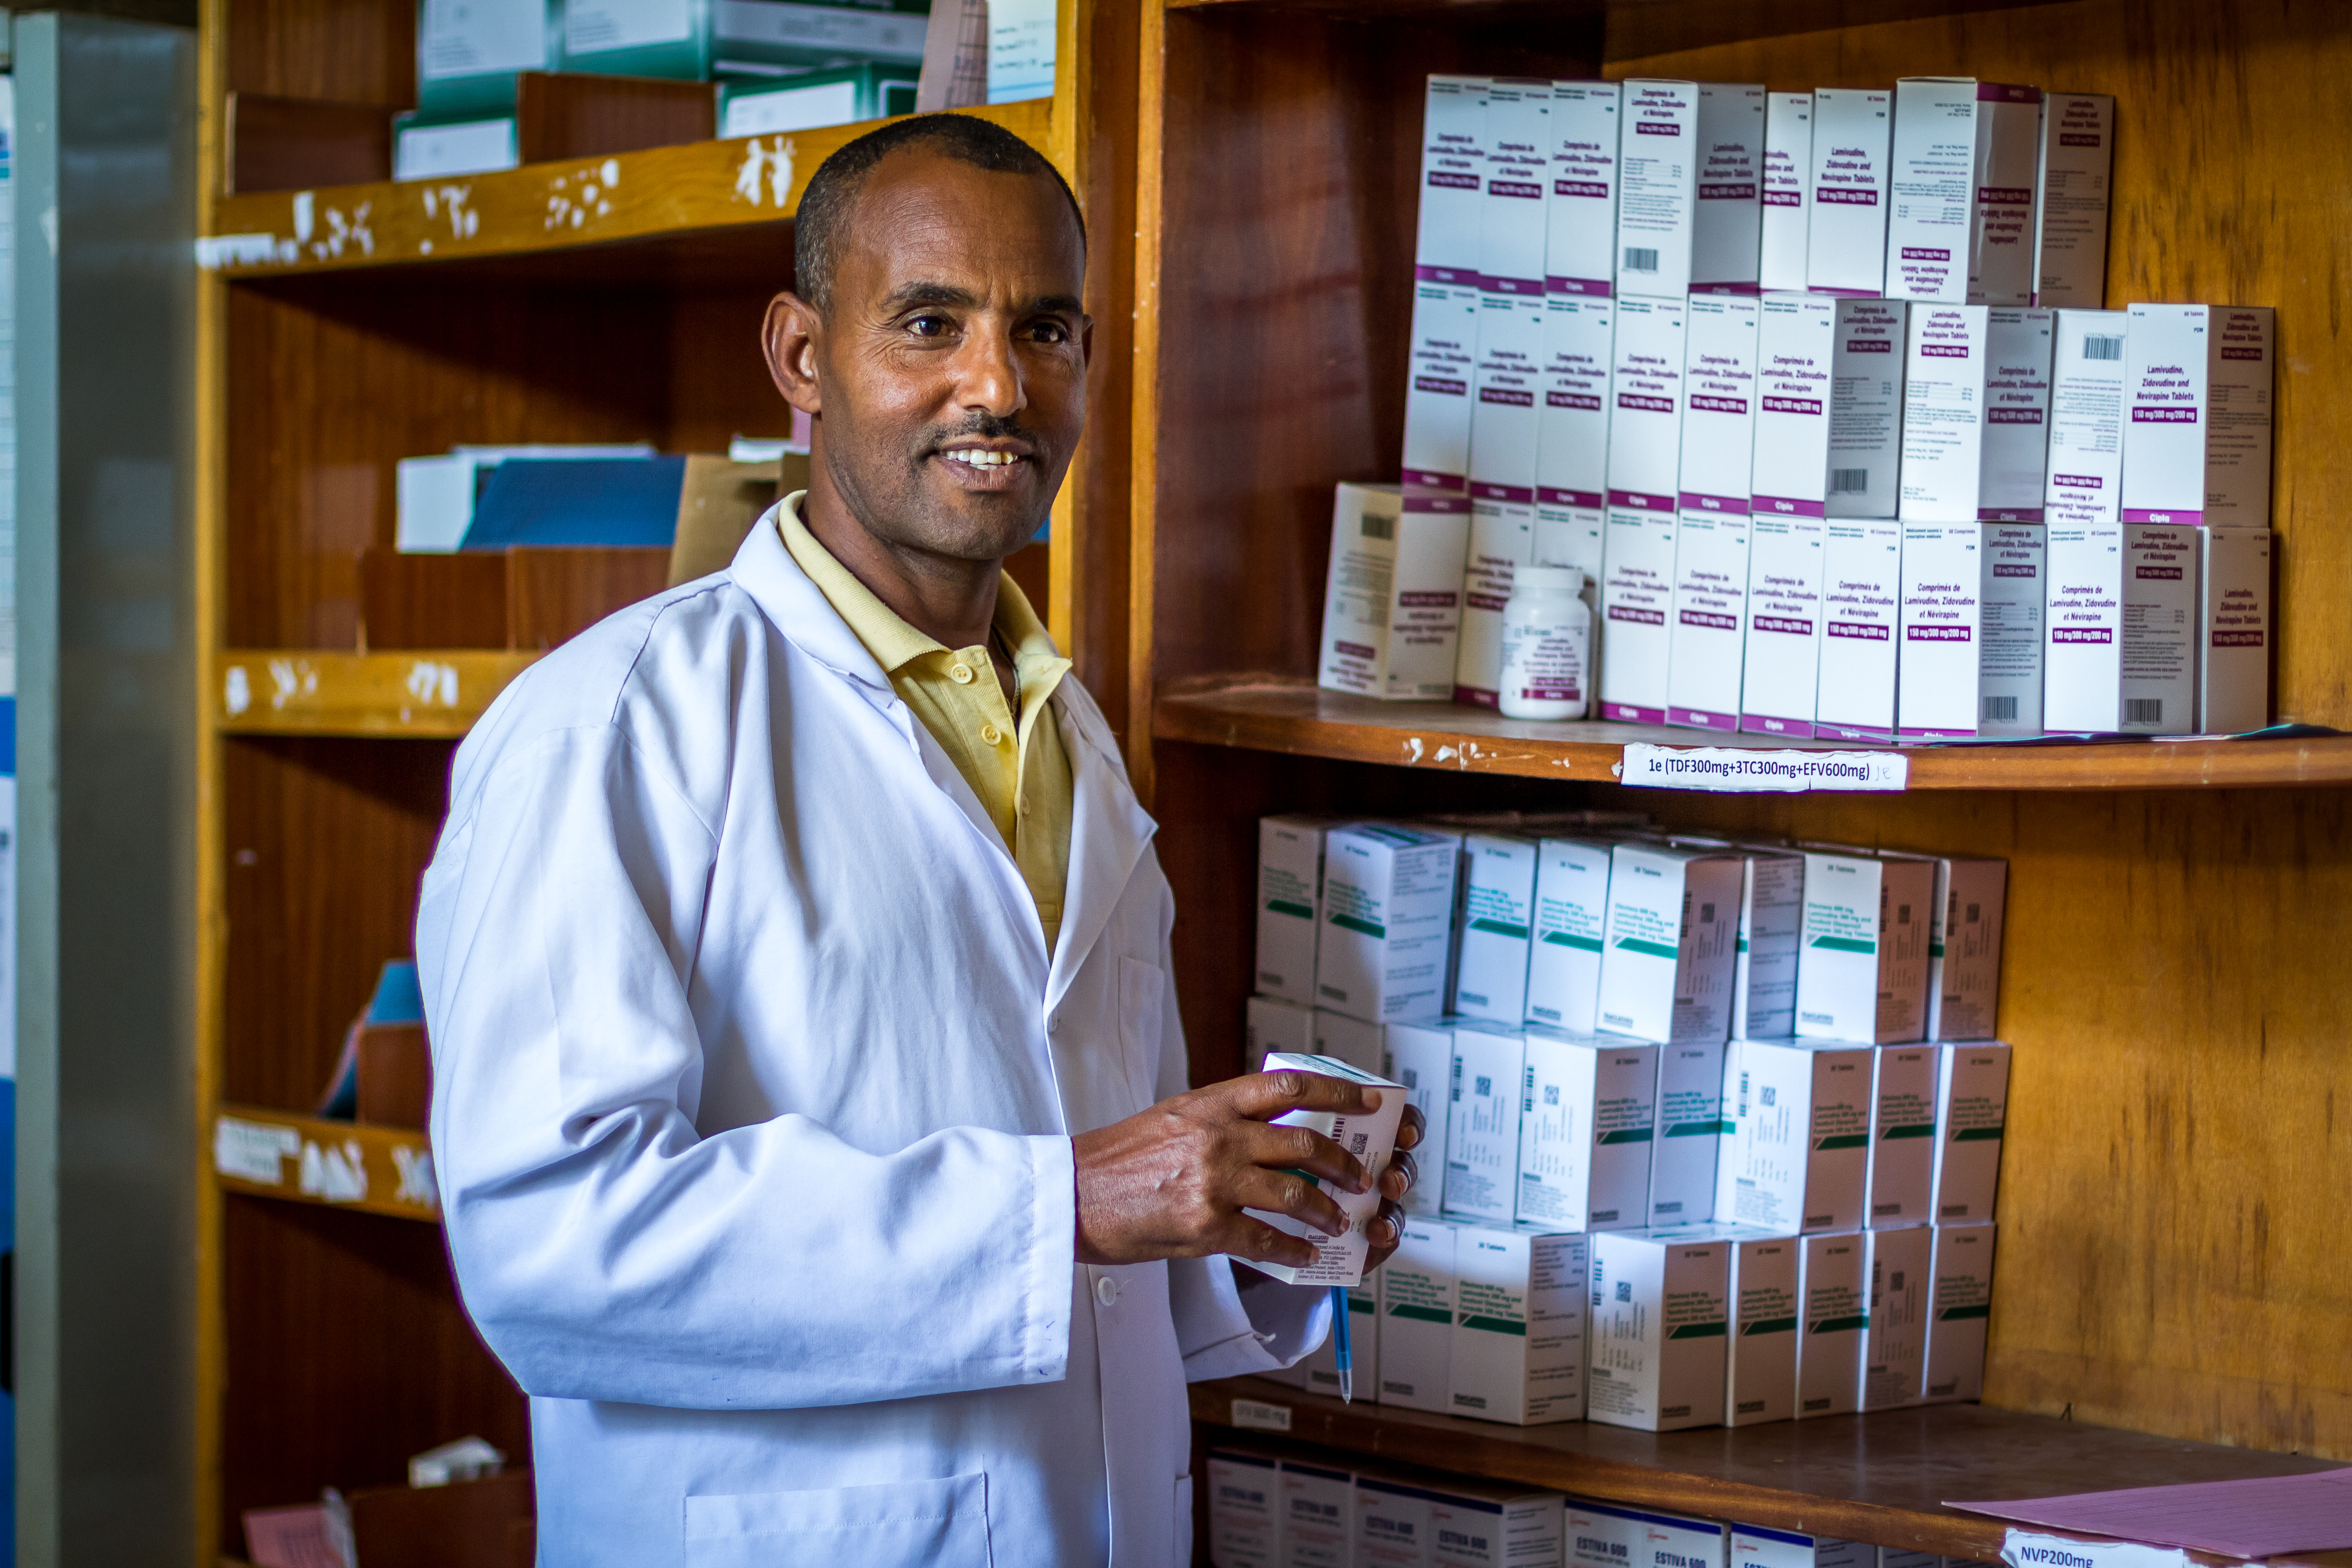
(1403, 1170)
(1289, 1194)
(1385, 1234)
(1263, 1095)
(1411, 1128)
(1304, 1149)
(1254, 1241)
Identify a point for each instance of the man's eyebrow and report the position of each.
(913, 296)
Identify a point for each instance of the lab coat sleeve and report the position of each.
(1226, 1326)
(604, 1248)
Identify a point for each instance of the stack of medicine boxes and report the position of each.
(1713, 1128)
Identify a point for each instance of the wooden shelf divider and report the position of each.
(432, 694)
(343, 1164)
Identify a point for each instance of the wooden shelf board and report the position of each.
(568, 205)
(1882, 1477)
(431, 694)
(396, 1161)
(1268, 714)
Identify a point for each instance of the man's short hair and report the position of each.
(832, 192)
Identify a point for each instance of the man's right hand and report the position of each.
(1172, 1181)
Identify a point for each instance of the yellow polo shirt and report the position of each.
(1013, 762)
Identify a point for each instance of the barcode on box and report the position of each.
(1849, 482)
(2143, 709)
(2002, 709)
(2103, 348)
(1640, 261)
(1378, 527)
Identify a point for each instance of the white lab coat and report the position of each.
(753, 1096)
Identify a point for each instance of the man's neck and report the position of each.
(948, 599)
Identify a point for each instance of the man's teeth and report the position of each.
(980, 458)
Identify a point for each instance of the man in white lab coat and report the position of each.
(810, 1100)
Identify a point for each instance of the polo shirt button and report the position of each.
(1106, 1290)
(989, 734)
(960, 673)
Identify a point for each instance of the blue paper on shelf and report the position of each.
(399, 998)
(614, 501)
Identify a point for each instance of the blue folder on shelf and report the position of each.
(611, 501)
(399, 999)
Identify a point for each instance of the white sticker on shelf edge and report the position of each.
(1738, 770)
(2027, 1549)
(249, 1151)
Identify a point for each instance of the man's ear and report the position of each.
(789, 337)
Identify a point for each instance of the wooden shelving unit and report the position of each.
(433, 693)
(340, 1164)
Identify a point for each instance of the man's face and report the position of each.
(950, 372)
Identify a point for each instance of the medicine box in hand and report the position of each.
(1371, 1137)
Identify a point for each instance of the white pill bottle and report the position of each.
(1547, 644)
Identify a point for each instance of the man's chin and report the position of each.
(969, 527)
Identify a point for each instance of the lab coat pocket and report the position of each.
(1142, 995)
(898, 1524)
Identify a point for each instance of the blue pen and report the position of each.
(1340, 1346)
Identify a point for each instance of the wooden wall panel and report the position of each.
(2233, 171)
(718, 385)
(355, 51)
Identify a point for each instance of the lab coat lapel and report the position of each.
(1108, 831)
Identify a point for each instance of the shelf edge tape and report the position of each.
(1738, 770)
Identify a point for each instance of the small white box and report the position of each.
(1437, 396)
(1862, 572)
(1711, 545)
(1277, 1025)
(1853, 132)
(1834, 1284)
(1964, 948)
(1644, 473)
(1392, 1524)
(1943, 412)
(1421, 1057)
(1961, 1312)
(1720, 365)
(1781, 651)
(1637, 597)
(1862, 972)
(1319, 1514)
(1903, 1136)
(447, 152)
(1660, 1314)
(1416, 1289)
(2197, 439)
(1799, 1156)
(1475, 1526)
(1361, 1045)
(2010, 609)
(1602, 1535)
(1726, 224)
(1503, 436)
(1521, 1305)
(1938, 681)
(1895, 1345)
(1657, 164)
(1971, 1111)
(1579, 259)
(1371, 1137)
(1666, 973)
(1753, 1546)
(1645, 420)
(2083, 505)
(1761, 1383)
(2162, 564)
(1512, 218)
(1453, 176)
(1498, 873)
(1290, 903)
(1571, 924)
(1772, 926)
(1244, 1509)
(2013, 478)
(1967, 156)
(1788, 165)
(1867, 373)
(1482, 1132)
(2233, 659)
(1321, 1367)
(1388, 912)
(1392, 601)
(1586, 1110)
(1687, 1134)
(2070, 237)
(1572, 434)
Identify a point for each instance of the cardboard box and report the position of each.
(1966, 157)
(1509, 390)
(1515, 211)
(1244, 1509)
(1361, 1045)
(1660, 1316)
(1482, 1132)
(1421, 1057)
(1936, 681)
(1862, 972)
(1392, 1524)
(1799, 1156)
(2196, 441)
(1498, 873)
(1787, 166)
(1275, 1025)
(1961, 1311)
(1586, 1110)
(1519, 1329)
(1319, 1514)
(1971, 1111)
(1943, 412)
(1446, 259)
(1572, 923)
(1760, 1380)
(2010, 608)
(2013, 475)
(1781, 655)
(1386, 918)
(1581, 257)
(1371, 1137)
(1964, 947)
(2163, 563)
(1290, 903)
(1637, 594)
(1895, 1345)
(1867, 373)
(2070, 229)
(1834, 1280)
(1772, 926)
(1658, 172)
(1753, 1546)
(1665, 972)
(1711, 562)
(2083, 505)
(1474, 1526)
(1903, 1136)
(2233, 659)
(1853, 130)
(1728, 216)
(1572, 434)
(1320, 1370)
(1393, 599)
(1602, 1535)
(1417, 1295)
(1689, 1134)
(1644, 473)
(1861, 565)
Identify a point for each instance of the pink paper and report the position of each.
(289, 1538)
(2265, 1516)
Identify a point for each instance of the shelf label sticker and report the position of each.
(1257, 1415)
(249, 1151)
(2027, 1549)
(1738, 770)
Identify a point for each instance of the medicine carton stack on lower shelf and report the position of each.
(1815, 393)
(1714, 1129)
(1269, 1510)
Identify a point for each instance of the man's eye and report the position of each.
(1049, 333)
(930, 326)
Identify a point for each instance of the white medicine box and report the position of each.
(1667, 971)
(1387, 917)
